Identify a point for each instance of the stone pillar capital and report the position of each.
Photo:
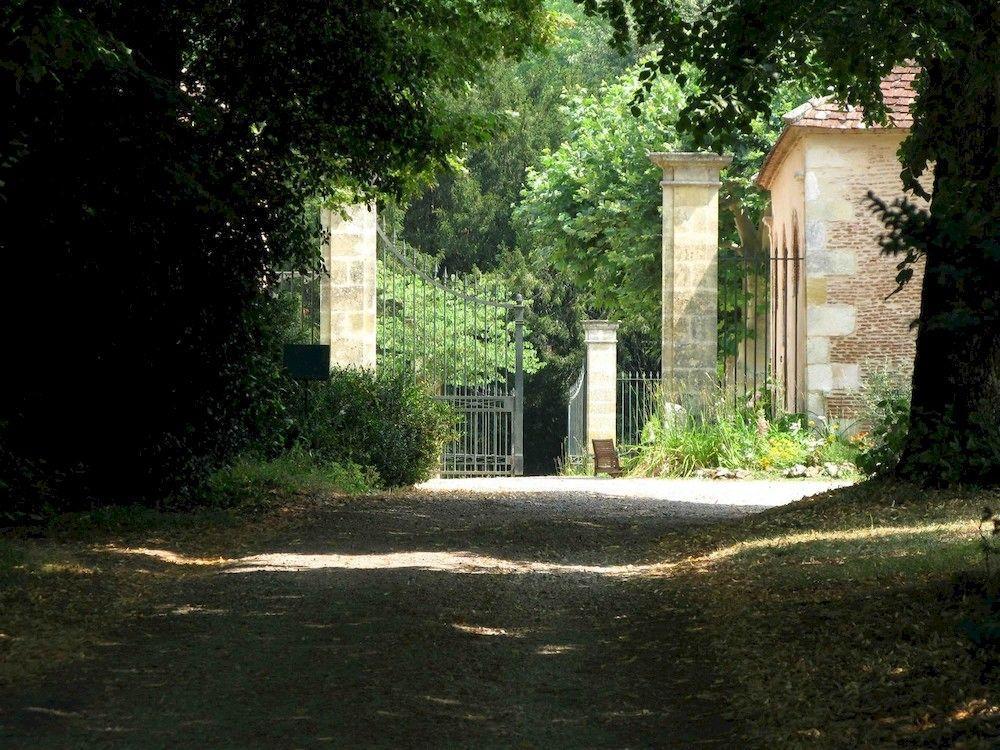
(690, 167)
(600, 332)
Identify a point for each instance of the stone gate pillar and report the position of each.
(690, 252)
(347, 294)
(601, 337)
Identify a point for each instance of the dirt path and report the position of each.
(450, 617)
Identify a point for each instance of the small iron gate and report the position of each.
(638, 393)
(576, 418)
(463, 339)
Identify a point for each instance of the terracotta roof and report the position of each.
(826, 113)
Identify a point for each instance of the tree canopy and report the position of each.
(592, 207)
(160, 162)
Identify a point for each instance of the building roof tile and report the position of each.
(827, 113)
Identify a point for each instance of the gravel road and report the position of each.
(466, 613)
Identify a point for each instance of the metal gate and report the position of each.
(637, 399)
(463, 338)
(762, 329)
(576, 418)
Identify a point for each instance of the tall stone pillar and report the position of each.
(601, 337)
(347, 294)
(690, 252)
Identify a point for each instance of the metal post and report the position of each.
(518, 441)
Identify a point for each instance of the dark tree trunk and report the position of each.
(954, 434)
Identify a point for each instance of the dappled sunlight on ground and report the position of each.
(471, 563)
(959, 528)
(483, 630)
(450, 562)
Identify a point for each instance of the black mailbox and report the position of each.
(307, 361)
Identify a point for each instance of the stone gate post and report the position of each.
(601, 337)
(690, 251)
(347, 294)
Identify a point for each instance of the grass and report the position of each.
(253, 485)
(840, 619)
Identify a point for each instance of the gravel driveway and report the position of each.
(467, 613)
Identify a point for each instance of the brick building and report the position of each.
(833, 321)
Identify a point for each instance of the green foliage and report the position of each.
(11, 556)
(159, 161)
(417, 310)
(730, 436)
(552, 327)
(466, 214)
(252, 484)
(386, 422)
(592, 207)
(885, 414)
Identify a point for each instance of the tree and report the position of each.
(745, 49)
(160, 161)
(465, 216)
(592, 207)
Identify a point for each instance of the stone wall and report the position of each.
(853, 323)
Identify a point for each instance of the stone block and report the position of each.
(816, 290)
(816, 404)
(830, 320)
(846, 376)
(816, 237)
(819, 378)
(841, 263)
(346, 299)
(817, 350)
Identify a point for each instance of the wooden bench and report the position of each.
(606, 458)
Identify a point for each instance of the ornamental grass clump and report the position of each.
(676, 442)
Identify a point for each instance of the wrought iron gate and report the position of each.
(576, 417)
(638, 394)
(463, 339)
(762, 340)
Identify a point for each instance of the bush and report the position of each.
(386, 421)
(680, 444)
(885, 412)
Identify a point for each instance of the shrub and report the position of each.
(885, 412)
(386, 421)
(783, 450)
